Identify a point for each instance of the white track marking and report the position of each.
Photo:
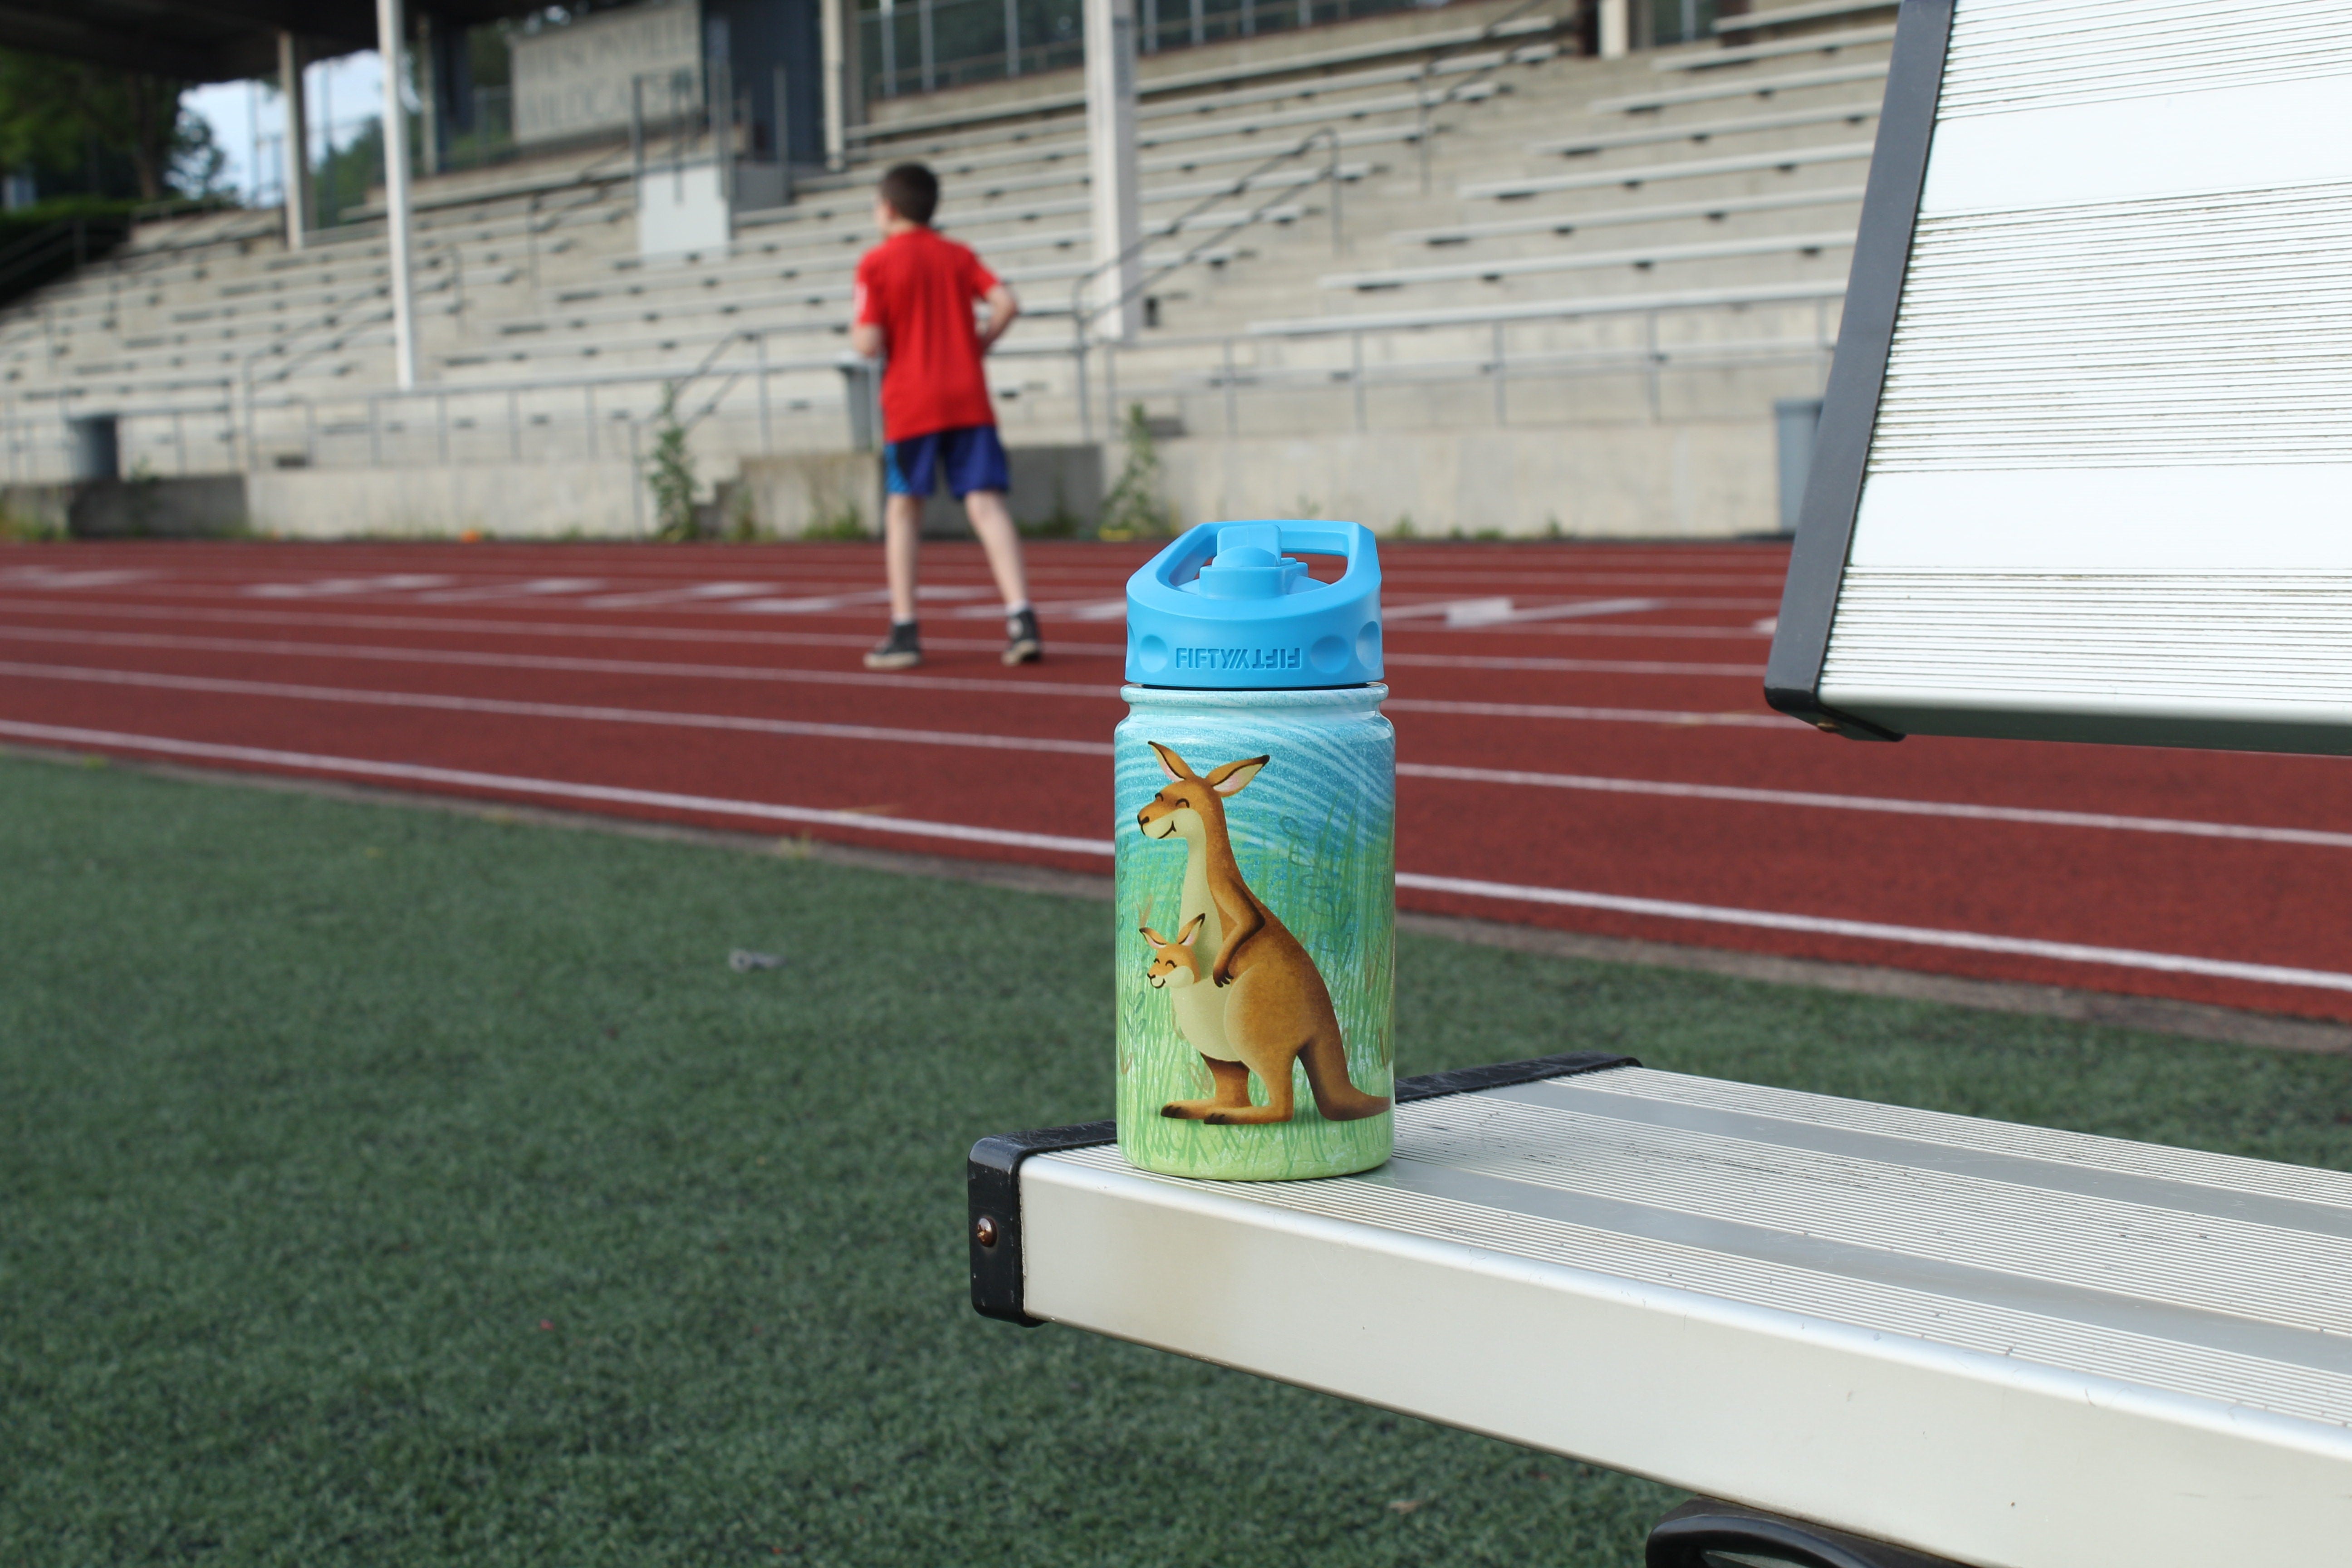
(537, 587)
(1596, 715)
(1473, 613)
(55, 578)
(811, 677)
(1871, 930)
(601, 714)
(1571, 665)
(337, 587)
(2091, 819)
(1659, 908)
(691, 594)
(587, 628)
(811, 604)
(584, 713)
(509, 784)
(473, 660)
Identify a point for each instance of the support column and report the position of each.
(844, 96)
(1616, 28)
(297, 141)
(1110, 162)
(390, 45)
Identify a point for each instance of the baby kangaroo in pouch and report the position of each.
(1258, 1003)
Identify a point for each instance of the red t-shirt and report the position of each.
(918, 288)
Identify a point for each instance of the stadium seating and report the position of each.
(1721, 234)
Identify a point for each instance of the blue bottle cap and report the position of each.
(1225, 609)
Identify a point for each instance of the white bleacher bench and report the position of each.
(1809, 43)
(1309, 89)
(1611, 217)
(1741, 87)
(1074, 149)
(2079, 475)
(1564, 310)
(1809, 11)
(1066, 206)
(1150, 86)
(1708, 130)
(1651, 174)
(1591, 261)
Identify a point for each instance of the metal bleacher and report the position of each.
(2080, 476)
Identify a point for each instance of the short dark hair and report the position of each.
(912, 192)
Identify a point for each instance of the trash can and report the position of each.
(1795, 419)
(97, 447)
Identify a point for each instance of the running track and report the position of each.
(1580, 738)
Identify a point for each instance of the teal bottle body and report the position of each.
(1256, 866)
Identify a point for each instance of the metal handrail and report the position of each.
(1081, 318)
(1487, 35)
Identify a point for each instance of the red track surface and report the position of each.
(724, 687)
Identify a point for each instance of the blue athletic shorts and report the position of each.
(972, 459)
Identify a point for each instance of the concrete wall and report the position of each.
(1631, 480)
(600, 498)
(1608, 480)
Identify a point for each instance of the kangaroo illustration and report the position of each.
(1261, 1003)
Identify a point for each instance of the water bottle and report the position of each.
(1256, 860)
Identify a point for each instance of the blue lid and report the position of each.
(1224, 608)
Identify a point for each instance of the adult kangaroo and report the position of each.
(1277, 1009)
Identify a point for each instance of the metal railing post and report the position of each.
(441, 425)
(1356, 375)
(1338, 232)
(636, 487)
(1011, 37)
(767, 433)
(923, 39)
(1110, 390)
(1656, 391)
(310, 432)
(1502, 394)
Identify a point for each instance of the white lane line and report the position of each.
(1502, 612)
(336, 587)
(537, 587)
(623, 629)
(1571, 666)
(1661, 908)
(509, 784)
(59, 577)
(473, 660)
(1871, 930)
(590, 714)
(2096, 819)
(1594, 715)
(691, 594)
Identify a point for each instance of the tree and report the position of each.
(107, 130)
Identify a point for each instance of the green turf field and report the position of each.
(383, 1186)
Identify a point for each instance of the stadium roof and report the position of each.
(214, 40)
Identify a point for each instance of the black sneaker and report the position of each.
(902, 649)
(1020, 642)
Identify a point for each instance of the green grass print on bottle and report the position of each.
(1256, 860)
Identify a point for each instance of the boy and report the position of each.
(914, 304)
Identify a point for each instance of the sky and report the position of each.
(352, 86)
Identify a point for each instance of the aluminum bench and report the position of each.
(2081, 475)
